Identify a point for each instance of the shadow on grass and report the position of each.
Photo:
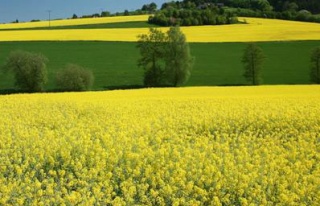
(117, 87)
(135, 86)
(12, 91)
(233, 85)
(19, 91)
(106, 88)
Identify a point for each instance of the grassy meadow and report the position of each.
(114, 64)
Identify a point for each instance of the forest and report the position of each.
(217, 12)
(278, 5)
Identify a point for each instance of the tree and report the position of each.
(29, 70)
(126, 13)
(315, 66)
(178, 60)
(262, 5)
(165, 57)
(152, 7)
(74, 78)
(105, 13)
(152, 51)
(253, 59)
(290, 6)
(149, 7)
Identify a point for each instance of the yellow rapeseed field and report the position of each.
(185, 146)
(255, 30)
(73, 22)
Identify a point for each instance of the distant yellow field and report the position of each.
(71, 22)
(256, 30)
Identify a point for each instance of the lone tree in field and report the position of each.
(253, 59)
(152, 51)
(29, 70)
(315, 66)
(178, 60)
(74, 78)
(165, 57)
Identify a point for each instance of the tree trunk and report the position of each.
(253, 69)
(318, 70)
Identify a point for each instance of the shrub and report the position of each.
(29, 70)
(74, 78)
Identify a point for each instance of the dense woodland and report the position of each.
(278, 5)
(189, 13)
(215, 12)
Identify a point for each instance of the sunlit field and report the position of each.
(255, 30)
(185, 146)
(72, 22)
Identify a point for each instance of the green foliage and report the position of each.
(253, 59)
(74, 78)
(105, 14)
(74, 16)
(178, 60)
(29, 70)
(152, 52)
(304, 10)
(283, 5)
(187, 13)
(150, 8)
(262, 5)
(315, 66)
(278, 5)
(165, 58)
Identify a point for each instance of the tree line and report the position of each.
(299, 10)
(145, 9)
(188, 13)
(216, 12)
(277, 5)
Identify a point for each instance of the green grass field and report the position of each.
(114, 64)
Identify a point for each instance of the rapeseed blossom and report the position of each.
(74, 22)
(255, 30)
(177, 146)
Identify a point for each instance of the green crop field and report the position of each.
(114, 64)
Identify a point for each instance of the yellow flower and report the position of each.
(256, 29)
(181, 146)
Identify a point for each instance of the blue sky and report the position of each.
(26, 10)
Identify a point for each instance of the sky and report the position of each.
(27, 10)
